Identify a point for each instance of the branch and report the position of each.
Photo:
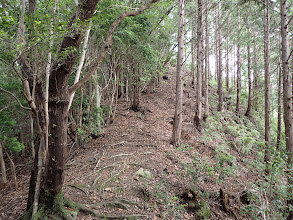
(107, 44)
(8, 64)
(290, 55)
(10, 93)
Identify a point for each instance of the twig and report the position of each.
(10, 93)
(99, 170)
(8, 64)
(97, 164)
(77, 187)
(121, 155)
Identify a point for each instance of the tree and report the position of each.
(177, 125)
(193, 49)
(51, 198)
(207, 61)
(287, 103)
(200, 57)
(267, 84)
(247, 113)
(238, 79)
(220, 70)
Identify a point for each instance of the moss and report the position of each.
(56, 211)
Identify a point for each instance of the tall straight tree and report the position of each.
(227, 63)
(207, 61)
(177, 125)
(200, 57)
(193, 49)
(267, 84)
(279, 109)
(220, 76)
(238, 79)
(287, 103)
(255, 76)
(247, 113)
(216, 44)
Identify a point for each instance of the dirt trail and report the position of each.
(105, 170)
(103, 174)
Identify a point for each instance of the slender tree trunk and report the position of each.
(207, 62)
(220, 76)
(13, 169)
(200, 56)
(193, 49)
(177, 125)
(238, 80)
(255, 76)
(227, 64)
(279, 109)
(267, 86)
(136, 88)
(287, 103)
(2, 164)
(216, 45)
(81, 61)
(247, 113)
(234, 66)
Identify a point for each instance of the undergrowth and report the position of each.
(239, 145)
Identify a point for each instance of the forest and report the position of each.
(146, 109)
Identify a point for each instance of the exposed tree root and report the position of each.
(82, 208)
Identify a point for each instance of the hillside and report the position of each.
(132, 172)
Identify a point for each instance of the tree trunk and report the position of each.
(267, 86)
(227, 64)
(247, 113)
(136, 89)
(2, 164)
(200, 56)
(193, 49)
(220, 76)
(287, 103)
(255, 76)
(207, 62)
(57, 107)
(279, 109)
(81, 61)
(216, 47)
(177, 125)
(238, 80)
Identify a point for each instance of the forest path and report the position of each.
(103, 174)
(104, 171)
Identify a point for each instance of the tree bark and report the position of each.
(255, 76)
(279, 109)
(207, 62)
(2, 164)
(81, 61)
(216, 46)
(200, 57)
(267, 86)
(227, 64)
(247, 113)
(238, 79)
(177, 125)
(193, 50)
(287, 103)
(220, 76)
